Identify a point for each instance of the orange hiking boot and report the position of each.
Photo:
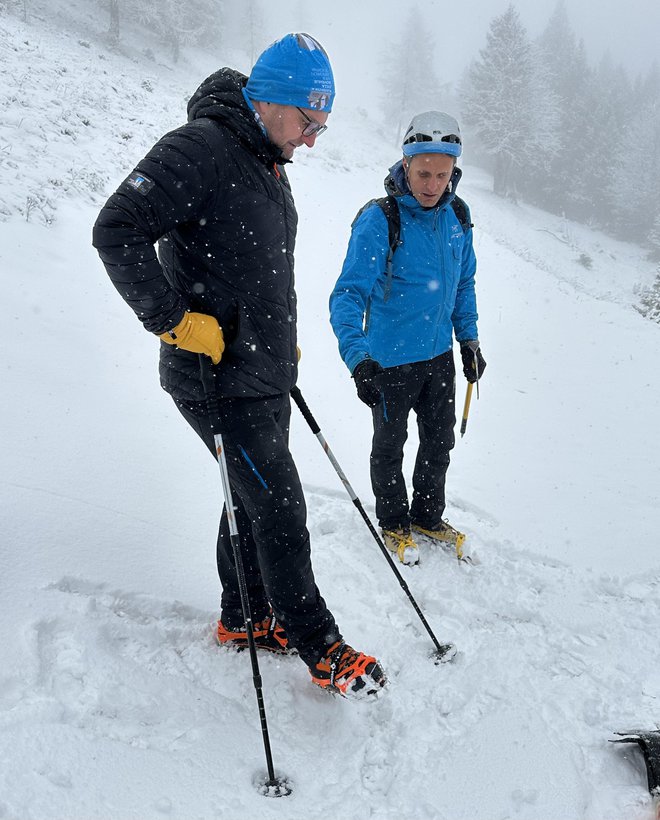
(346, 672)
(267, 635)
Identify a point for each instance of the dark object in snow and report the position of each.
(585, 260)
(278, 787)
(649, 743)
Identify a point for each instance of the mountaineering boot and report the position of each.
(349, 673)
(444, 533)
(268, 634)
(400, 541)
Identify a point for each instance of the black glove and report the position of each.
(367, 380)
(469, 351)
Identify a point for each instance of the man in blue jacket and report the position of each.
(395, 314)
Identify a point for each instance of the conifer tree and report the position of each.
(637, 216)
(410, 81)
(508, 103)
(569, 78)
(608, 121)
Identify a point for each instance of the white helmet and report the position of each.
(432, 132)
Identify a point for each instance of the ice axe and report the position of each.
(466, 407)
(468, 394)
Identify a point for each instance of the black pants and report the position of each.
(271, 518)
(428, 388)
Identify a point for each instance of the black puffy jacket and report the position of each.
(215, 197)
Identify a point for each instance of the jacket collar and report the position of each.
(220, 98)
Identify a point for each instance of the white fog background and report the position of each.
(115, 703)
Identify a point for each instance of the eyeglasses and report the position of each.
(426, 138)
(312, 128)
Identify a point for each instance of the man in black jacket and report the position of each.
(215, 196)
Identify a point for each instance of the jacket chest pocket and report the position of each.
(456, 243)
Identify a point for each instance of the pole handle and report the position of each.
(297, 396)
(207, 375)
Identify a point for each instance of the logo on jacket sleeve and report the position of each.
(141, 183)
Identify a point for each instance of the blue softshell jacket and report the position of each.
(431, 293)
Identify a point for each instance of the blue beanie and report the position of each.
(293, 71)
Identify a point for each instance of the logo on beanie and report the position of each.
(318, 100)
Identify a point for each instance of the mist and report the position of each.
(361, 37)
(114, 700)
(392, 60)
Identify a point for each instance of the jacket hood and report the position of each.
(396, 183)
(220, 97)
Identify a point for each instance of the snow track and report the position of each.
(549, 664)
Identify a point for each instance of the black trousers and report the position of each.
(429, 389)
(271, 517)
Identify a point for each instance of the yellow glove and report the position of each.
(197, 333)
(298, 352)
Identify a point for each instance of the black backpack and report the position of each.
(389, 207)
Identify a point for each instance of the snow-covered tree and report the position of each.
(654, 239)
(410, 82)
(253, 29)
(649, 304)
(638, 210)
(113, 28)
(508, 103)
(14, 6)
(568, 74)
(180, 23)
(607, 137)
(174, 23)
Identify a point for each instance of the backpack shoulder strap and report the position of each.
(390, 209)
(461, 211)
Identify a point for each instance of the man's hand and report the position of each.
(197, 333)
(367, 381)
(474, 363)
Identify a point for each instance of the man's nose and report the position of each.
(309, 141)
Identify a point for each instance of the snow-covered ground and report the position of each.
(114, 701)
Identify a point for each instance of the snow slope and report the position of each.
(114, 701)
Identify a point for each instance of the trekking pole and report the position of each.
(466, 408)
(273, 786)
(443, 652)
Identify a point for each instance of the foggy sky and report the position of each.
(630, 30)
(357, 35)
